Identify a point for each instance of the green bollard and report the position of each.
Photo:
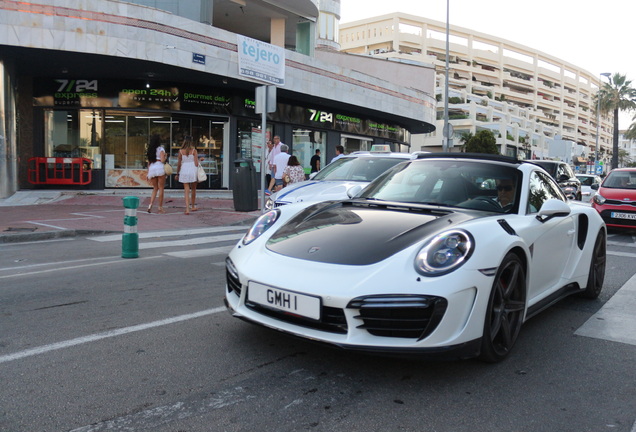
(130, 238)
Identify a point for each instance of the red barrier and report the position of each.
(59, 171)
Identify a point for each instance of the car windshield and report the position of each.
(620, 180)
(477, 185)
(586, 180)
(550, 167)
(361, 168)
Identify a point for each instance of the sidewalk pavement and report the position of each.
(33, 215)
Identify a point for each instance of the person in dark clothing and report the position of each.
(315, 162)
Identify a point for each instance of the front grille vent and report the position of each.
(399, 316)
(233, 284)
(620, 203)
(332, 319)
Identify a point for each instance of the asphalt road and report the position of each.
(90, 341)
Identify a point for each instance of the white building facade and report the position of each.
(91, 81)
(526, 97)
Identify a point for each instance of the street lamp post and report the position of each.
(446, 131)
(598, 118)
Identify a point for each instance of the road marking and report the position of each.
(105, 335)
(197, 253)
(186, 232)
(56, 263)
(121, 260)
(190, 242)
(616, 320)
(623, 254)
(622, 244)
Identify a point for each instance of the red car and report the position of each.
(616, 198)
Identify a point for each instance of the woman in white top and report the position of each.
(156, 174)
(187, 173)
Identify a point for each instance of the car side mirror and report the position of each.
(595, 186)
(353, 191)
(553, 208)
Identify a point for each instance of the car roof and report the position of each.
(475, 156)
(379, 154)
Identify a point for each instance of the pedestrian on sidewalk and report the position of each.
(187, 173)
(156, 174)
(293, 172)
(280, 163)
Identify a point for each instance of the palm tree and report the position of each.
(616, 96)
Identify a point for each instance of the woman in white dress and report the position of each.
(187, 173)
(156, 174)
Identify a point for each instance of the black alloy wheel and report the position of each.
(505, 311)
(597, 268)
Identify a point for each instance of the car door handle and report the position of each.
(571, 232)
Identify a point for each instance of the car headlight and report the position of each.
(262, 224)
(599, 199)
(444, 253)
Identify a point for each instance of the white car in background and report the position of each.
(335, 180)
(587, 180)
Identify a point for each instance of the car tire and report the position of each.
(579, 197)
(597, 268)
(505, 311)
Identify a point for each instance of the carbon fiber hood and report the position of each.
(351, 233)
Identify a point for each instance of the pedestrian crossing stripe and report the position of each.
(616, 320)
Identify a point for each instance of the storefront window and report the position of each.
(250, 141)
(352, 144)
(126, 137)
(305, 144)
(74, 134)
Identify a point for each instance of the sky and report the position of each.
(598, 36)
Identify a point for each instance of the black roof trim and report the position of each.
(480, 156)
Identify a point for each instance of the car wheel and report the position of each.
(579, 197)
(504, 314)
(597, 268)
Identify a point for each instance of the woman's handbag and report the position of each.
(201, 175)
(167, 168)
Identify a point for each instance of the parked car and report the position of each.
(446, 255)
(335, 179)
(565, 177)
(616, 198)
(587, 181)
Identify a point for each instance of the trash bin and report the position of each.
(244, 191)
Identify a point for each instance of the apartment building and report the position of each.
(528, 98)
(627, 147)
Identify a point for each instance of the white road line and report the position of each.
(197, 253)
(190, 242)
(119, 261)
(56, 263)
(104, 335)
(623, 254)
(616, 320)
(623, 244)
(186, 232)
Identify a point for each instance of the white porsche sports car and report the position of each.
(446, 255)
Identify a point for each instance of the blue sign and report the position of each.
(599, 169)
(198, 58)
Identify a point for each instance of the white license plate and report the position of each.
(618, 215)
(283, 300)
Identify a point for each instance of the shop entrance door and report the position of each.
(126, 137)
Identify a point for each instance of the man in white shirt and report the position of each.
(280, 162)
(339, 153)
(275, 151)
